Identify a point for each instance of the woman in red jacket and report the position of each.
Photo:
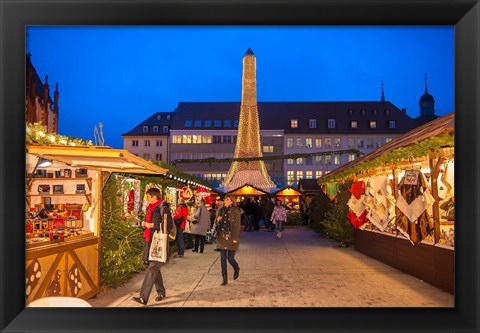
(180, 219)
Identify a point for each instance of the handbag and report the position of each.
(158, 248)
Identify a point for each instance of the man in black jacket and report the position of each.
(156, 212)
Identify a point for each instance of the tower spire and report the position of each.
(383, 94)
(243, 173)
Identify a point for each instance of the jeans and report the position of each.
(199, 241)
(180, 242)
(250, 222)
(279, 225)
(230, 254)
(153, 277)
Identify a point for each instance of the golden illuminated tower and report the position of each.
(248, 139)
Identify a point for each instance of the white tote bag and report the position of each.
(158, 248)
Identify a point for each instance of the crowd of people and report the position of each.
(196, 224)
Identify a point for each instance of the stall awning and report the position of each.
(287, 191)
(100, 158)
(247, 190)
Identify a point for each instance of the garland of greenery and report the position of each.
(211, 160)
(38, 133)
(393, 157)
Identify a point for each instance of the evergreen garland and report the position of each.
(121, 244)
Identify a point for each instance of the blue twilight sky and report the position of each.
(119, 76)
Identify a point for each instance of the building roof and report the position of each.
(426, 98)
(278, 115)
(308, 185)
(159, 119)
(39, 85)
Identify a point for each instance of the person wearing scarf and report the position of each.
(153, 222)
(228, 237)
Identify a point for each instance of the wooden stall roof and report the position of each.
(95, 157)
(287, 191)
(248, 190)
(437, 127)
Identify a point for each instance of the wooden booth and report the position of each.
(290, 197)
(402, 202)
(63, 213)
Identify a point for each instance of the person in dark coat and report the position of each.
(156, 212)
(229, 237)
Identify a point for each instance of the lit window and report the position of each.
(147, 143)
(268, 149)
(227, 123)
(309, 142)
(318, 174)
(318, 160)
(328, 143)
(387, 140)
(351, 143)
(217, 123)
(177, 139)
(206, 139)
(290, 176)
(186, 139)
(299, 175)
(299, 142)
(196, 138)
(331, 123)
(198, 123)
(351, 157)
(378, 142)
(309, 174)
(318, 142)
(312, 123)
(145, 129)
(290, 161)
(188, 123)
(289, 142)
(336, 159)
(373, 124)
(293, 123)
(327, 172)
(337, 142)
(300, 161)
(353, 124)
(165, 129)
(155, 129)
(208, 123)
(391, 124)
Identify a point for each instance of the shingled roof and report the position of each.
(159, 119)
(277, 115)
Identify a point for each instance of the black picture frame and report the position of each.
(464, 15)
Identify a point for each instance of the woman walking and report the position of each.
(228, 237)
(180, 219)
(202, 216)
(279, 216)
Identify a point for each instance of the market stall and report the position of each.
(402, 202)
(63, 210)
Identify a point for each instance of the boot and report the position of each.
(225, 279)
(236, 273)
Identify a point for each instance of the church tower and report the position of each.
(252, 173)
(427, 103)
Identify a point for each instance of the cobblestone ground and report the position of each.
(302, 269)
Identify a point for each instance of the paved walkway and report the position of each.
(302, 269)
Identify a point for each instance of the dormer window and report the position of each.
(331, 123)
(198, 123)
(363, 112)
(165, 129)
(350, 112)
(155, 129)
(373, 124)
(387, 112)
(159, 117)
(235, 123)
(353, 124)
(207, 123)
(168, 116)
(217, 123)
(293, 123)
(145, 129)
(391, 124)
(312, 123)
(374, 112)
(188, 123)
(227, 123)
